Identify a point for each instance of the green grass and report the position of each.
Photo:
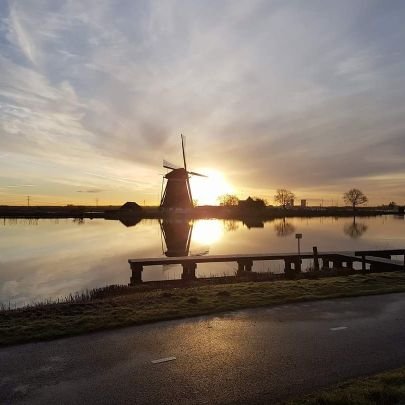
(135, 306)
(382, 389)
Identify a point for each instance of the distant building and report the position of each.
(251, 203)
(131, 207)
(303, 203)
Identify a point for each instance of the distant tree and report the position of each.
(228, 200)
(284, 197)
(392, 204)
(354, 197)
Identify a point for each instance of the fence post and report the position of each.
(316, 259)
(404, 260)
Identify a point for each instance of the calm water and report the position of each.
(52, 258)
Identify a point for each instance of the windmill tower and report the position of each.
(177, 193)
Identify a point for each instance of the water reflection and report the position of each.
(177, 237)
(253, 223)
(355, 229)
(231, 225)
(284, 228)
(207, 232)
(129, 221)
(57, 257)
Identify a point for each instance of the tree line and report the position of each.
(285, 198)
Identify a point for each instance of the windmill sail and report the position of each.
(185, 168)
(169, 165)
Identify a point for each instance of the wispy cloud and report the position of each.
(18, 185)
(90, 191)
(273, 93)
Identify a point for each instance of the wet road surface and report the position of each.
(252, 356)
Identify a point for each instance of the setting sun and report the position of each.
(206, 190)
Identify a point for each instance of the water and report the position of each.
(44, 258)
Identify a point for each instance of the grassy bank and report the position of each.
(386, 388)
(136, 306)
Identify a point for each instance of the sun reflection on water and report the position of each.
(206, 232)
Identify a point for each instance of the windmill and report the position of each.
(177, 193)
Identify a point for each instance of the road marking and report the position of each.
(338, 328)
(164, 360)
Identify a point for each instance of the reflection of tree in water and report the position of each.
(78, 221)
(284, 228)
(355, 229)
(231, 225)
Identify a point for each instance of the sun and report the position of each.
(206, 190)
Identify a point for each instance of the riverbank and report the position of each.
(384, 388)
(201, 212)
(121, 306)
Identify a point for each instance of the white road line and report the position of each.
(163, 360)
(338, 328)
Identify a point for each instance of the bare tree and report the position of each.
(354, 197)
(228, 200)
(284, 197)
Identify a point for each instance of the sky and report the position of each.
(303, 95)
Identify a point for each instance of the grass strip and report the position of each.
(134, 307)
(386, 388)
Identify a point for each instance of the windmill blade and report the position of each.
(197, 174)
(185, 167)
(184, 153)
(169, 165)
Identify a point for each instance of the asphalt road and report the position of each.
(254, 356)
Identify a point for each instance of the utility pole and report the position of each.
(96, 202)
(28, 200)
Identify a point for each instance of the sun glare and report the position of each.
(206, 190)
(206, 232)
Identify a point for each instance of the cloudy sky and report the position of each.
(306, 95)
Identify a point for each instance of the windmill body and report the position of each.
(177, 193)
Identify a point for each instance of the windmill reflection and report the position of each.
(284, 228)
(355, 230)
(177, 237)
